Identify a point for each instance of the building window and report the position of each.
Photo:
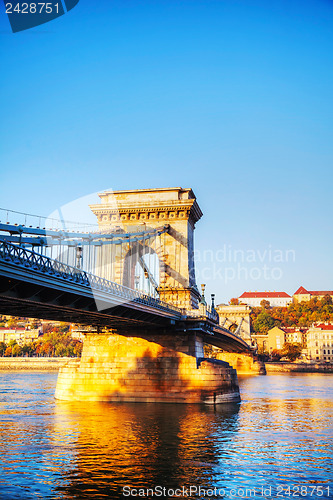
(324, 352)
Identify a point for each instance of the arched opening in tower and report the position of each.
(142, 270)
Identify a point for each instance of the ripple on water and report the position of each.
(278, 435)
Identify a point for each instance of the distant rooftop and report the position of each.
(324, 326)
(264, 295)
(303, 291)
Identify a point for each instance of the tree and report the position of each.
(234, 302)
(8, 351)
(17, 350)
(13, 321)
(64, 327)
(302, 314)
(327, 299)
(3, 347)
(34, 324)
(264, 322)
(292, 351)
(28, 349)
(77, 350)
(265, 304)
(276, 354)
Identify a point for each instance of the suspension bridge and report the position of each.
(131, 276)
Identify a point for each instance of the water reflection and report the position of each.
(281, 434)
(144, 445)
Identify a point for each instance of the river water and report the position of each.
(277, 443)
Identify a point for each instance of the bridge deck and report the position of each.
(34, 286)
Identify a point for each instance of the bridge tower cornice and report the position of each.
(175, 204)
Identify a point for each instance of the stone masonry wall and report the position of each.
(157, 368)
(243, 363)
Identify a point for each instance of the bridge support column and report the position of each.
(243, 363)
(149, 368)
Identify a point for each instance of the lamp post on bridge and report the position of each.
(203, 300)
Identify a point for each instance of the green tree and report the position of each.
(17, 350)
(327, 300)
(264, 322)
(3, 347)
(28, 349)
(13, 321)
(34, 324)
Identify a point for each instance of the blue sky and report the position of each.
(231, 98)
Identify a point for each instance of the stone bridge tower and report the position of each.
(236, 318)
(145, 209)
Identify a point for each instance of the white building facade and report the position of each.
(275, 299)
(320, 342)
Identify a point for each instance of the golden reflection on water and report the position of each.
(281, 432)
(141, 444)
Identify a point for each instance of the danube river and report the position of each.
(276, 444)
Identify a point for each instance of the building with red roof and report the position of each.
(320, 342)
(303, 295)
(275, 299)
(20, 335)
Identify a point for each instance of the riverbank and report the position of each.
(33, 364)
(53, 364)
(284, 366)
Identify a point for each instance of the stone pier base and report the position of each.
(149, 368)
(243, 363)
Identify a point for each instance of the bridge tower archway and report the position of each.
(235, 318)
(143, 269)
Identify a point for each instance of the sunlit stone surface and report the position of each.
(158, 368)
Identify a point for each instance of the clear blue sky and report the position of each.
(232, 98)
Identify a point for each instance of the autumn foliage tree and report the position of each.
(56, 342)
(301, 314)
(234, 302)
(292, 351)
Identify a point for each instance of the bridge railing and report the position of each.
(25, 258)
(12, 217)
(206, 312)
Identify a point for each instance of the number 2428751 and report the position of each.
(32, 8)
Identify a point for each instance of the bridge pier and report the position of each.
(243, 363)
(147, 367)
